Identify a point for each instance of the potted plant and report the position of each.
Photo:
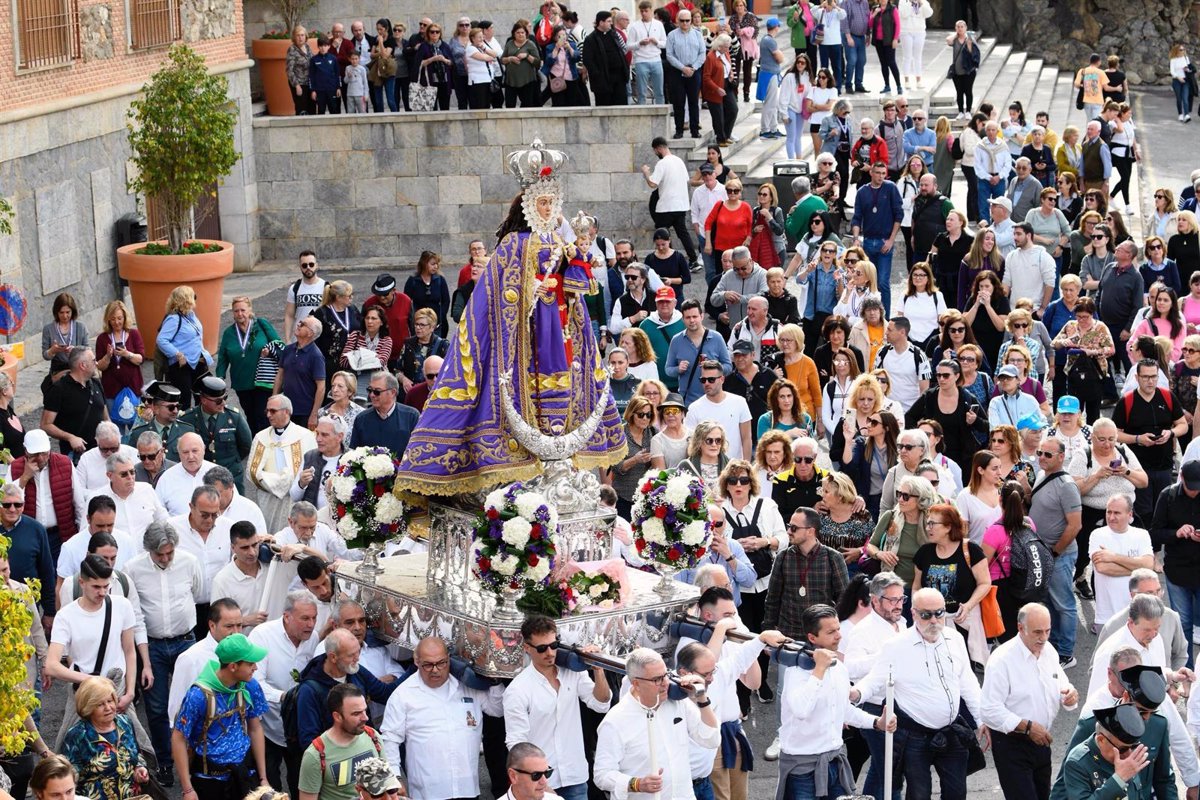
(270, 51)
(181, 135)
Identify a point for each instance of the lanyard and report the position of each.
(243, 341)
(345, 323)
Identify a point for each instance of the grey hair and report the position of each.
(639, 659)
(521, 751)
(13, 489)
(342, 604)
(1024, 611)
(705, 576)
(842, 105)
(339, 427)
(801, 186)
(1145, 606)
(120, 457)
(1129, 656)
(5, 382)
(882, 582)
(157, 534)
(1142, 574)
(317, 326)
(284, 401)
(805, 441)
(219, 475)
(106, 429)
(1055, 439)
(149, 439)
(1129, 244)
(302, 508)
(1104, 424)
(722, 40)
(1023, 162)
(299, 597)
(205, 491)
(915, 436)
(337, 638)
(388, 379)
(76, 355)
(740, 252)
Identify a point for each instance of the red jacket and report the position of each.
(399, 314)
(675, 6)
(712, 78)
(62, 474)
(877, 147)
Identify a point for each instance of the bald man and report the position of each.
(175, 486)
(418, 395)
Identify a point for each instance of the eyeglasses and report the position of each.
(892, 601)
(928, 615)
(732, 191)
(906, 446)
(739, 480)
(430, 376)
(125, 473)
(398, 30)
(711, 379)
(169, 406)
(1021, 325)
(373, 392)
(1046, 454)
(1160, 197)
(1091, 199)
(308, 263)
(207, 514)
(537, 774)
(929, 523)
(144, 457)
(933, 481)
(905, 496)
(659, 681)
(999, 440)
(946, 375)
(274, 410)
(1155, 247)
(874, 421)
(1121, 749)
(828, 251)
(1096, 236)
(632, 277)
(217, 400)
(764, 194)
(643, 414)
(792, 528)
(386, 793)
(1188, 350)
(805, 459)
(967, 359)
(464, 24)
(434, 666)
(713, 440)
(541, 648)
(850, 261)
(958, 329)
(716, 525)
(13, 504)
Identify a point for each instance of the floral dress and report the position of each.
(104, 762)
(1098, 338)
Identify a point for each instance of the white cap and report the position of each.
(36, 441)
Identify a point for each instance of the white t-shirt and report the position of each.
(670, 175)
(477, 71)
(307, 297)
(730, 413)
(79, 631)
(922, 311)
(906, 370)
(74, 550)
(1112, 593)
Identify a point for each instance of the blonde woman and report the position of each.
(706, 453)
(845, 524)
(1069, 157)
(657, 393)
(643, 363)
(865, 398)
(339, 318)
(101, 745)
(342, 389)
(862, 281)
(792, 364)
(298, 56)
(181, 341)
(248, 351)
(119, 352)
(1019, 325)
(1183, 83)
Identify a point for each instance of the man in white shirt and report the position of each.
(243, 578)
(528, 773)
(440, 722)
(1141, 633)
(646, 720)
(647, 40)
(175, 486)
(670, 179)
(101, 518)
(92, 465)
(1023, 689)
(290, 646)
(168, 581)
(304, 536)
(205, 535)
(1029, 269)
(814, 707)
(349, 615)
(719, 406)
(137, 503)
(541, 706)
(1175, 644)
(224, 618)
(1116, 550)
(1002, 224)
(906, 365)
(304, 296)
(704, 197)
(933, 684)
(235, 507)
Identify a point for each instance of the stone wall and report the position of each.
(1066, 32)
(392, 185)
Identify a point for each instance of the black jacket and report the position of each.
(1173, 510)
(604, 58)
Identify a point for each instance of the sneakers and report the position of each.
(772, 753)
(1084, 589)
(698, 266)
(1187, 117)
(765, 694)
(1181, 117)
(1068, 663)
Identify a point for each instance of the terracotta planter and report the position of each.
(152, 278)
(10, 365)
(271, 55)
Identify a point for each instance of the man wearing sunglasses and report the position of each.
(136, 503)
(552, 725)
(1114, 758)
(164, 408)
(89, 469)
(529, 773)
(389, 423)
(934, 689)
(805, 574)
(224, 429)
(727, 410)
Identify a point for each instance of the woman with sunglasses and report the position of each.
(671, 444)
(1012, 528)
(956, 410)
(435, 65)
(826, 184)
(768, 241)
(1157, 268)
(820, 279)
(912, 447)
(1184, 377)
(900, 532)
(1069, 427)
(626, 475)
(1164, 319)
(922, 304)
(1020, 331)
(954, 332)
(1018, 357)
(983, 256)
(1081, 239)
(869, 453)
(729, 224)
(1005, 442)
(986, 312)
(865, 400)
(958, 569)
(845, 525)
(837, 389)
(1165, 218)
(979, 502)
(706, 457)
(1096, 200)
(1116, 223)
(976, 374)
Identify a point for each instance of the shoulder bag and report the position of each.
(423, 94)
(989, 607)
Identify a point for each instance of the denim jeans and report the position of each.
(804, 787)
(577, 792)
(988, 192)
(384, 93)
(1185, 600)
(712, 261)
(649, 75)
(883, 269)
(831, 57)
(163, 653)
(1183, 96)
(1063, 615)
(873, 783)
(856, 60)
(702, 789)
(951, 766)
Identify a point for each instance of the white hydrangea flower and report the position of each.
(552, 523)
(540, 571)
(677, 491)
(516, 532)
(343, 488)
(505, 565)
(378, 466)
(528, 504)
(495, 499)
(347, 527)
(653, 531)
(388, 509)
(693, 533)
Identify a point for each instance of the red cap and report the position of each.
(665, 293)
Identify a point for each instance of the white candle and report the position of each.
(652, 748)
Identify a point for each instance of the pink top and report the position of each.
(1160, 327)
(998, 539)
(1191, 311)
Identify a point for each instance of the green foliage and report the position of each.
(181, 133)
(16, 698)
(540, 599)
(188, 248)
(275, 33)
(290, 12)
(6, 215)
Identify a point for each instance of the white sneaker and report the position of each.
(772, 753)
(1181, 117)
(1187, 117)
(1129, 211)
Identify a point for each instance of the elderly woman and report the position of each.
(913, 448)
(656, 392)
(102, 746)
(773, 458)
(296, 61)
(247, 352)
(718, 87)
(521, 59)
(837, 137)
(792, 364)
(1018, 356)
(1088, 345)
(950, 471)
(420, 346)
(958, 569)
(845, 526)
(1054, 318)
(343, 387)
(181, 341)
(1068, 426)
(706, 456)
(119, 352)
(782, 305)
(901, 532)
(826, 184)
(435, 65)
(1069, 156)
(1157, 268)
(60, 335)
(626, 475)
(671, 444)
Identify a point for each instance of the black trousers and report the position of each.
(887, 61)
(1022, 766)
(678, 220)
(688, 89)
(282, 756)
(530, 95)
(1124, 167)
(1090, 519)
(614, 95)
(964, 91)
(724, 114)
(479, 95)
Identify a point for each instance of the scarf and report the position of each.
(992, 149)
(208, 679)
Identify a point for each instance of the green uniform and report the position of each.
(1085, 775)
(178, 428)
(227, 438)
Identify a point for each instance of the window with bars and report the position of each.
(47, 33)
(153, 23)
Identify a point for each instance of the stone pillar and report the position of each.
(238, 195)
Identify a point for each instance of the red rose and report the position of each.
(493, 513)
(485, 564)
(380, 490)
(341, 510)
(674, 554)
(514, 584)
(532, 560)
(660, 512)
(647, 486)
(640, 544)
(700, 553)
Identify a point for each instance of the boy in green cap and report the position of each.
(218, 740)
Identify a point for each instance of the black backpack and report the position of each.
(1030, 565)
(289, 711)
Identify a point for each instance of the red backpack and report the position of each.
(319, 745)
(1128, 400)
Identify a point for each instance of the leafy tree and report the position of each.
(17, 699)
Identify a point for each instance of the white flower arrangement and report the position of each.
(516, 532)
(378, 466)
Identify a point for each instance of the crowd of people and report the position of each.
(1011, 427)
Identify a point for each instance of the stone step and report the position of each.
(1023, 87)
(993, 56)
(1062, 107)
(1044, 93)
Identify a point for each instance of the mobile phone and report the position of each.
(1115, 463)
(975, 409)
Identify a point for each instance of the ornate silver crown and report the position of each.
(536, 163)
(582, 224)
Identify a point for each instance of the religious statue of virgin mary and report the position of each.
(523, 380)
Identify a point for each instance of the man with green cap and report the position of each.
(217, 743)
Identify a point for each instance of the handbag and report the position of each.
(989, 608)
(1079, 99)
(422, 96)
(557, 84)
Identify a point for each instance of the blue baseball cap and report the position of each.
(1068, 404)
(772, 22)
(1031, 422)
